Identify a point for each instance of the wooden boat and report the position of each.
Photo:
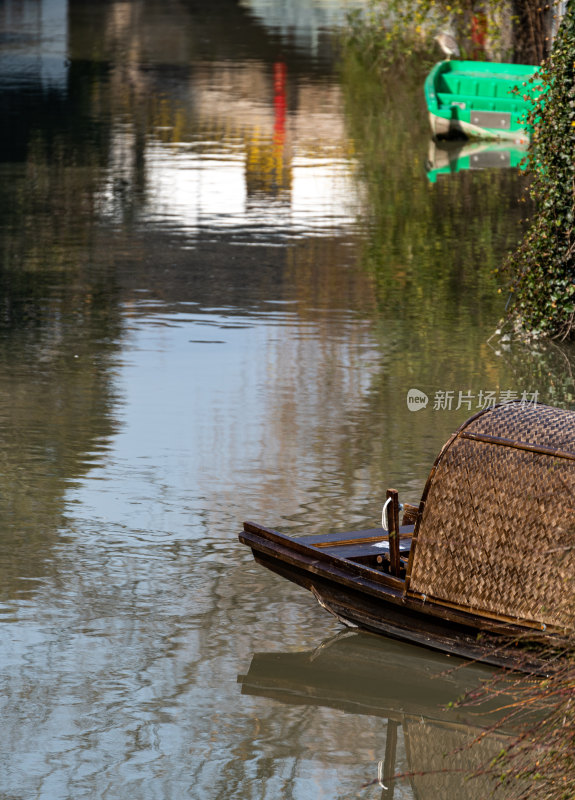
(477, 99)
(487, 559)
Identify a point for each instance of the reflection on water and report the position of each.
(305, 23)
(213, 398)
(162, 379)
(33, 44)
(247, 184)
(408, 687)
(447, 158)
(248, 148)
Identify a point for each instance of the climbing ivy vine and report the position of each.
(542, 270)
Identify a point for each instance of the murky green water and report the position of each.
(223, 266)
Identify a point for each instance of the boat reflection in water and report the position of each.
(359, 673)
(448, 157)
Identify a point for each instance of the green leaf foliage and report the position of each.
(542, 270)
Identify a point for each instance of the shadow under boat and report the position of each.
(475, 569)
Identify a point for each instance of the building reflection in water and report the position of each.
(34, 44)
(238, 156)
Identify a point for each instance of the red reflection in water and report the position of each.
(280, 73)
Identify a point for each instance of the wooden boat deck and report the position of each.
(365, 546)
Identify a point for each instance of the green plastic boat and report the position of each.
(476, 99)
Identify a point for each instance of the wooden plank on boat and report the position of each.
(366, 549)
(367, 535)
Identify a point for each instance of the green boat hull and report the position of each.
(476, 99)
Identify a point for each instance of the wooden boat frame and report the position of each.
(361, 596)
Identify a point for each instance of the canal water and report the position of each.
(227, 256)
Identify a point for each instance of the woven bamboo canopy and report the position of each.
(496, 526)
